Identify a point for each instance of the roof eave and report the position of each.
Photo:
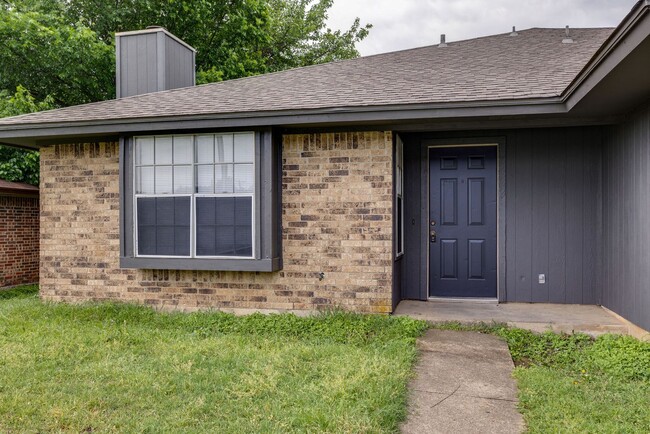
(624, 39)
(30, 134)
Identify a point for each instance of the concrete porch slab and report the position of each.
(538, 317)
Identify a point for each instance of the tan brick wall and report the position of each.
(337, 208)
(18, 240)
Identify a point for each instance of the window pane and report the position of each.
(144, 151)
(165, 240)
(164, 211)
(181, 241)
(147, 211)
(146, 240)
(205, 149)
(224, 241)
(183, 150)
(224, 211)
(244, 179)
(205, 240)
(400, 234)
(205, 212)
(243, 241)
(163, 150)
(223, 148)
(182, 179)
(223, 178)
(164, 180)
(205, 179)
(244, 228)
(144, 180)
(224, 226)
(398, 179)
(163, 226)
(244, 148)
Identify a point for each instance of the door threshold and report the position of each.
(464, 300)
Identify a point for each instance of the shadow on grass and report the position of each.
(19, 292)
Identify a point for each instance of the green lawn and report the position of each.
(123, 368)
(575, 384)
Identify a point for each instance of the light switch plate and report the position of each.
(541, 278)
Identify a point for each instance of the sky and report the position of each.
(402, 24)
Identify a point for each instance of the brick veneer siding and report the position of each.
(336, 219)
(18, 240)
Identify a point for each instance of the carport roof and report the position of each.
(17, 188)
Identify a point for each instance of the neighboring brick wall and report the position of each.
(337, 211)
(18, 240)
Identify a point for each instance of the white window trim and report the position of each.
(193, 197)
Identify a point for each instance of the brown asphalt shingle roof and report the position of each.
(534, 64)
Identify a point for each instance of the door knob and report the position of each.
(432, 236)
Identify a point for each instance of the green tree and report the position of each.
(298, 35)
(64, 48)
(61, 52)
(235, 38)
(53, 58)
(18, 164)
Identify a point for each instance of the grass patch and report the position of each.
(19, 292)
(574, 383)
(125, 368)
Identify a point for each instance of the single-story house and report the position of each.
(19, 234)
(512, 167)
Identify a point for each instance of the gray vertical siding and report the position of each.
(179, 68)
(138, 63)
(152, 62)
(412, 287)
(553, 212)
(626, 219)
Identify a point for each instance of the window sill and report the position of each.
(264, 265)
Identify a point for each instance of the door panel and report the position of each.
(476, 201)
(476, 266)
(449, 259)
(462, 216)
(449, 202)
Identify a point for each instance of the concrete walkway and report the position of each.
(463, 384)
(537, 317)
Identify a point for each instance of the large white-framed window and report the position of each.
(194, 196)
(399, 197)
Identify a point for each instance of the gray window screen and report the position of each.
(163, 226)
(194, 195)
(223, 226)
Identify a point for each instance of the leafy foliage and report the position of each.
(70, 43)
(61, 52)
(22, 102)
(620, 357)
(20, 165)
(53, 58)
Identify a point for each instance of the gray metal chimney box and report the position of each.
(152, 60)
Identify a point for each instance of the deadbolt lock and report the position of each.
(433, 223)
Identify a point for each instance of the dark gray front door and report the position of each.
(463, 222)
